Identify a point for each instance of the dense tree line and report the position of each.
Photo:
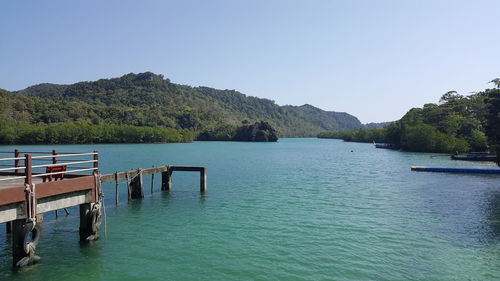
(76, 133)
(258, 132)
(147, 99)
(458, 123)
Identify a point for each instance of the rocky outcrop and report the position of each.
(258, 132)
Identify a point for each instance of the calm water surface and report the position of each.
(299, 209)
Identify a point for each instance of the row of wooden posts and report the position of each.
(135, 187)
(134, 180)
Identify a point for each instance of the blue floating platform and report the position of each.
(455, 170)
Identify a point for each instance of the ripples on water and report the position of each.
(300, 209)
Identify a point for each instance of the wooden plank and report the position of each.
(12, 195)
(149, 171)
(53, 188)
(132, 173)
(187, 168)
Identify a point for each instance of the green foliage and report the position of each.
(222, 133)
(493, 115)
(377, 135)
(456, 124)
(426, 138)
(75, 133)
(147, 99)
(260, 132)
(478, 141)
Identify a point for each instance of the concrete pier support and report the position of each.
(25, 237)
(17, 241)
(90, 221)
(8, 227)
(137, 190)
(166, 180)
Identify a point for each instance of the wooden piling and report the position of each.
(136, 186)
(128, 186)
(89, 222)
(203, 179)
(152, 182)
(17, 162)
(116, 188)
(166, 180)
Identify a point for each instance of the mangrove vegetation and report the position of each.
(456, 124)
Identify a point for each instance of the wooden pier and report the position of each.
(34, 183)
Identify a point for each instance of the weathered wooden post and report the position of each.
(128, 185)
(116, 188)
(166, 180)
(136, 186)
(86, 233)
(26, 232)
(90, 221)
(91, 213)
(17, 162)
(54, 159)
(203, 179)
(96, 159)
(152, 182)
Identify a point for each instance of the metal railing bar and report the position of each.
(35, 152)
(12, 178)
(13, 158)
(76, 167)
(11, 168)
(64, 155)
(65, 163)
(66, 160)
(65, 172)
(58, 160)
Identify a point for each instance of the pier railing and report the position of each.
(46, 165)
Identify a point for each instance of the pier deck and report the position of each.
(40, 182)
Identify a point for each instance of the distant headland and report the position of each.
(147, 107)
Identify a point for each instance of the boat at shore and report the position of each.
(386, 145)
(475, 156)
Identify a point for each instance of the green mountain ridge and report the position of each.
(148, 99)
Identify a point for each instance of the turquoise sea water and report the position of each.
(299, 209)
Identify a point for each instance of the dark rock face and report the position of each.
(258, 132)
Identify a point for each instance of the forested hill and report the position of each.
(148, 99)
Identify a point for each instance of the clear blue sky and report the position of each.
(373, 59)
